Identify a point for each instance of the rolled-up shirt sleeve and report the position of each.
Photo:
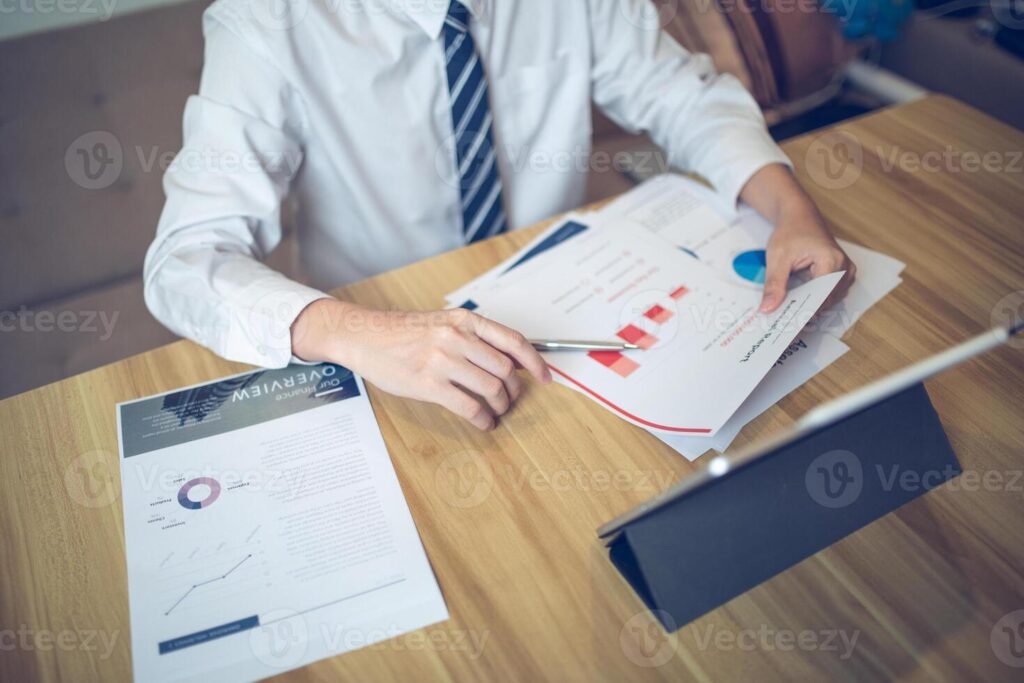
(204, 276)
(645, 81)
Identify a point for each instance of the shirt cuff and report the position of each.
(748, 151)
(261, 334)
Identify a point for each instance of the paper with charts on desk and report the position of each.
(264, 527)
(708, 273)
(703, 344)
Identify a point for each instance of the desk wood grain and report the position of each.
(508, 517)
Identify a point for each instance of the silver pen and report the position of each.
(573, 345)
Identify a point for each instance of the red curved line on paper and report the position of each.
(602, 399)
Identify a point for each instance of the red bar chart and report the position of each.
(658, 314)
(634, 335)
(615, 361)
(623, 365)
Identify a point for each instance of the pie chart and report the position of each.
(209, 490)
(750, 265)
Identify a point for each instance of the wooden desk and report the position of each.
(508, 517)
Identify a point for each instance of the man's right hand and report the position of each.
(455, 358)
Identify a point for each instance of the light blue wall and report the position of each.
(21, 17)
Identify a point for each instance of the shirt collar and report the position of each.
(429, 14)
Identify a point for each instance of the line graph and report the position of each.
(208, 581)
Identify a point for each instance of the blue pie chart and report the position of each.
(750, 265)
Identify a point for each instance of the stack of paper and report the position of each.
(661, 267)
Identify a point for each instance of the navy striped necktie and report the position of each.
(483, 212)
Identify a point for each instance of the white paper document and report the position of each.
(683, 212)
(265, 527)
(694, 330)
(687, 218)
(806, 356)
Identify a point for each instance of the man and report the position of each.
(405, 128)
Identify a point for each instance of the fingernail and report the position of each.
(547, 375)
(767, 303)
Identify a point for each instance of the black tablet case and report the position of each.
(728, 536)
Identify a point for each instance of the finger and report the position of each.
(481, 383)
(465, 406)
(495, 363)
(843, 286)
(776, 277)
(513, 344)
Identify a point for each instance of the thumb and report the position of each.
(776, 277)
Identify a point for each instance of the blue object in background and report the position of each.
(879, 18)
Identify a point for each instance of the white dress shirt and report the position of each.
(342, 106)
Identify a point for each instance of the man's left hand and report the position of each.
(800, 243)
(801, 239)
